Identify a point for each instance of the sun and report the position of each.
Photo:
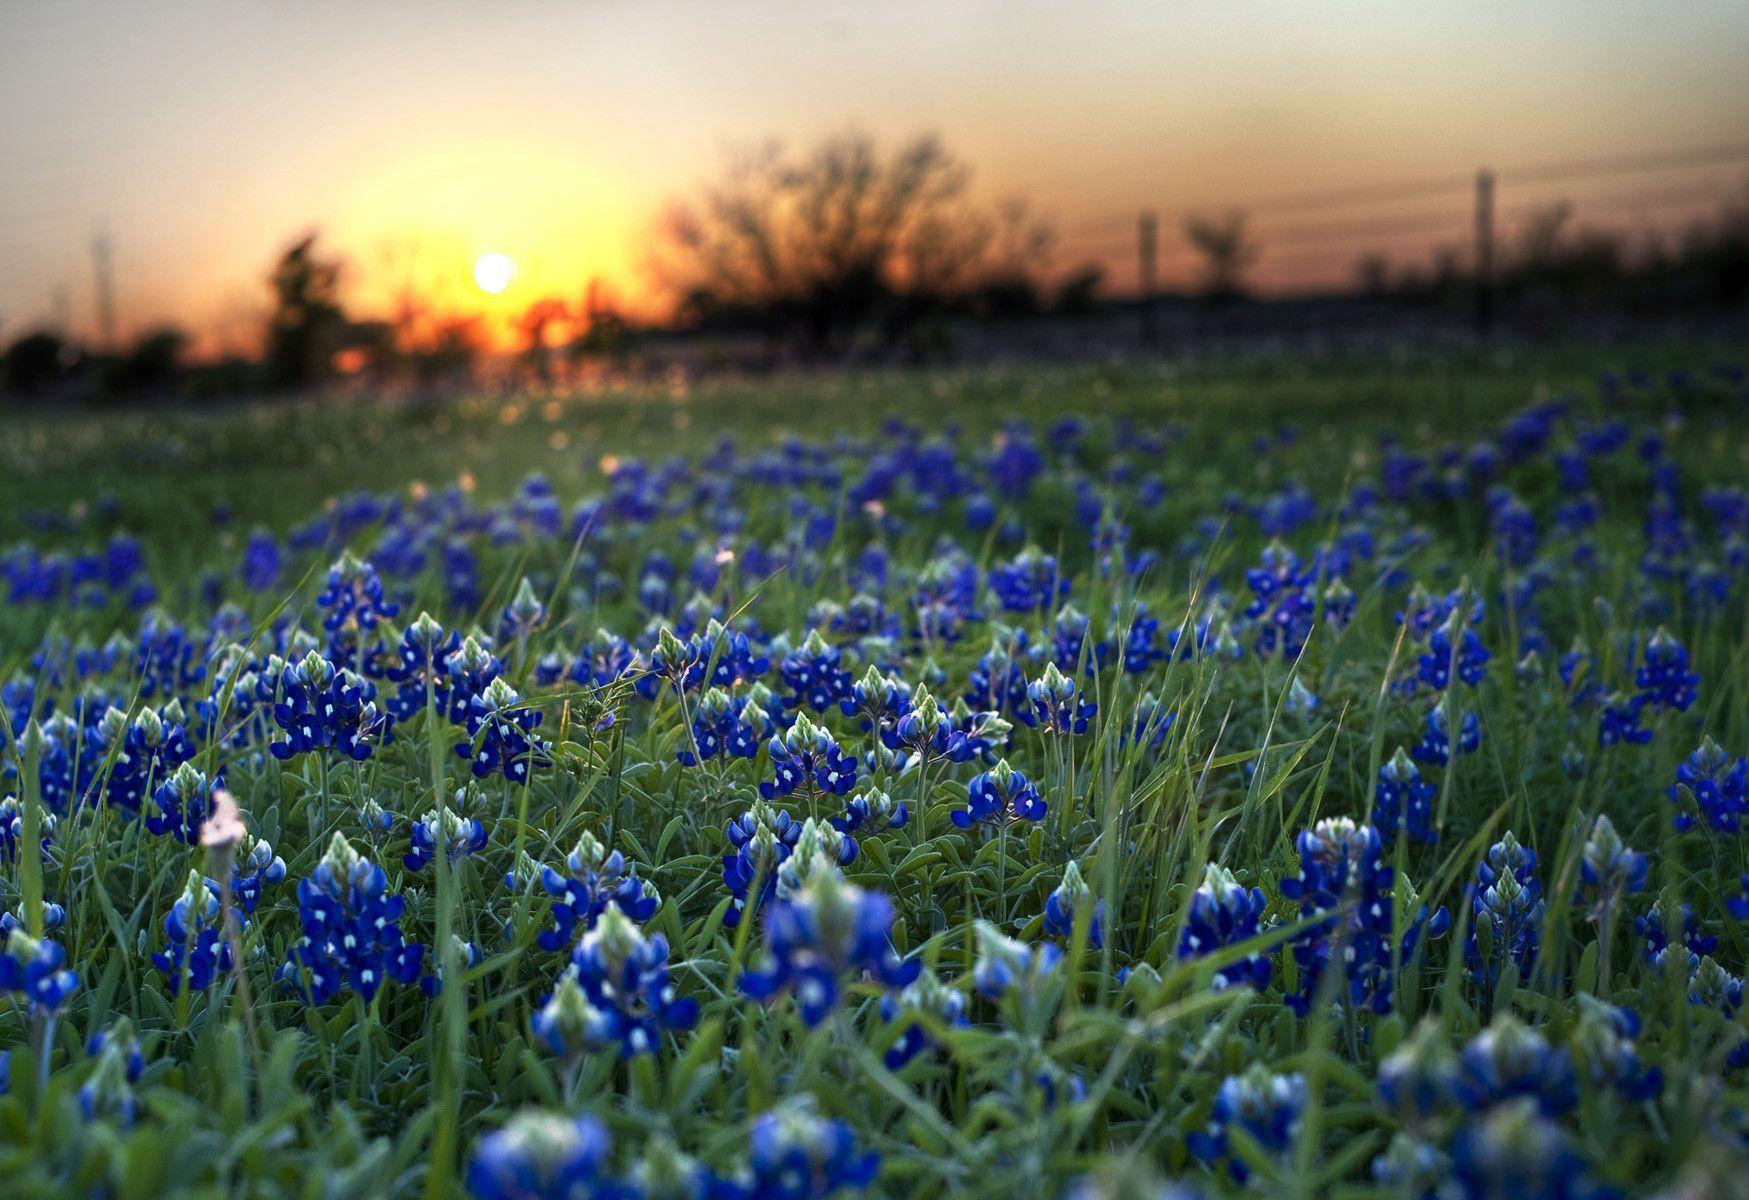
(494, 272)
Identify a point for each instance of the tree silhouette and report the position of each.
(1227, 251)
(306, 322)
(819, 247)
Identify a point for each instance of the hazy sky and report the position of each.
(202, 136)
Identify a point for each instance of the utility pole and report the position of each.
(101, 261)
(1484, 252)
(1147, 253)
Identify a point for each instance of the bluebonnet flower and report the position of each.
(1603, 1043)
(35, 970)
(1343, 880)
(1411, 1166)
(501, 734)
(1467, 653)
(1435, 745)
(871, 812)
(1005, 965)
(998, 680)
(818, 934)
(153, 746)
(1052, 704)
(184, 802)
(1069, 640)
(1663, 676)
(1712, 781)
(167, 661)
(928, 734)
(354, 599)
(1140, 649)
(254, 866)
(1266, 1106)
(1153, 721)
(1403, 802)
(815, 675)
(946, 598)
(718, 657)
(1508, 1060)
(1514, 1152)
(760, 839)
(1029, 583)
(1419, 1079)
(1424, 613)
(1299, 701)
(1671, 917)
(796, 1154)
(971, 736)
(195, 949)
(421, 669)
(1283, 604)
(522, 616)
(924, 996)
(108, 1092)
(1712, 986)
(568, 1027)
(594, 878)
(323, 707)
(808, 758)
(1069, 897)
(459, 834)
(1512, 525)
(1577, 670)
(1738, 905)
(1609, 866)
(624, 976)
(263, 562)
(472, 668)
(1339, 601)
(540, 1156)
(352, 932)
(1223, 913)
(12, 828)
(818, 845)
(1000, 794)
(1506, 922)
(878, 701)
(732, 726)
(1620, 719)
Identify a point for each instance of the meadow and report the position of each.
(1293, 776)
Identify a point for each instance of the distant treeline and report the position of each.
(848, 253)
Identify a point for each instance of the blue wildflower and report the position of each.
(1223, 913)
(1266, 1106)
(540, 1156)
(1403, 802)
(808, 758)
(352, 933)
(820, 933)
(1069, 897)
(624, 976)
(196, 951)
(1000, 794)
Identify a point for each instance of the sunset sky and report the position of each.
(418, 136)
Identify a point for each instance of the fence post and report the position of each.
(1484, 252)
(1146, 261)
(1147, 246)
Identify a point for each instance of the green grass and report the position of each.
(250, 1091)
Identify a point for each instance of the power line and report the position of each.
(1630, 164)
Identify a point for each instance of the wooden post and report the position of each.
(1484, 252)
(1147, 253)
(101, 260)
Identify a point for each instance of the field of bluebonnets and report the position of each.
(1298, 778)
